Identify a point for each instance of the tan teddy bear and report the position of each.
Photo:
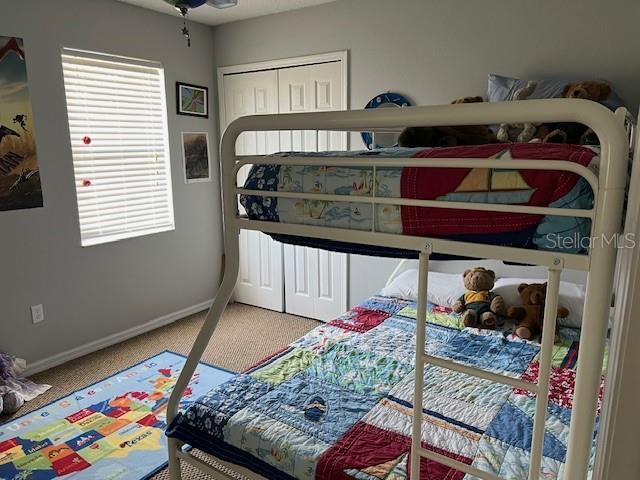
(587, 90)
(479, 306)
(571, 132)
(530, 314)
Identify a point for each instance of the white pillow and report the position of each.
(404, 286)
(443, 289)
(571, 296)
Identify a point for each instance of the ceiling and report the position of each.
(245, 9)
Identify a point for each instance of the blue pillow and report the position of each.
(501, 89)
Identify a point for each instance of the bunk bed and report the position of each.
(605, 217)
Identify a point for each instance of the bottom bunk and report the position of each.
(337, 403)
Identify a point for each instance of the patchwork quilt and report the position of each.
(510, 186)
(337, 403)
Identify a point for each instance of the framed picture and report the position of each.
(195, 153)
(192, 100)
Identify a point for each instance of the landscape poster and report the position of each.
(19, 172)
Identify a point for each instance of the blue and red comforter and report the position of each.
(510, 186)
(337, 403)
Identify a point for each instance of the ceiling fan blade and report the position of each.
(222, 3)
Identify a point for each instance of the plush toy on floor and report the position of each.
(480, 307)
(14, 390)
(530, 314)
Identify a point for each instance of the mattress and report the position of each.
(337, 403)
(511, 186)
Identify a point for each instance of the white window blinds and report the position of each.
(118, 125)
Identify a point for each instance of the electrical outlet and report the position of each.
(37, 313)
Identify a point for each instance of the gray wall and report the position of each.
(90, 293)
(436, 50)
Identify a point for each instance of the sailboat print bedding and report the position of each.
(514, 186)
(337, 403)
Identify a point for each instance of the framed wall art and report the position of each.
(195, 154)
(192, 100)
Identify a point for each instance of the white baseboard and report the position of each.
(96, 345)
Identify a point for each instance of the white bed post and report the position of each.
(614, 158)
(175, 471)
(544, 370)
(229, 280)
(202, 340)
(416, 429)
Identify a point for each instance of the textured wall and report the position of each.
(90, 293)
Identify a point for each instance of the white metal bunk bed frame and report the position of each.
(606, 216)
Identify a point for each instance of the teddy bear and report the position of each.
(587, 90)
(448, 136)
(479, 306)
(530, 314)
(571, 132)
(520, 132)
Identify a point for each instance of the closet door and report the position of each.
(260, 281)
(315, 280)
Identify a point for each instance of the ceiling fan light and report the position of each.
(222, 3)
(179, 4)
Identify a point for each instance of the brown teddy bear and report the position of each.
(530, 314)
(448, 136)
(587, 90)
(479, 306)
(576, 133)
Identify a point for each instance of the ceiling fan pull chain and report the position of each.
(183, 6)
(185, 29)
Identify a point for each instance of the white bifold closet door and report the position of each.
(315, 280)
(303, 281)
(260, 281)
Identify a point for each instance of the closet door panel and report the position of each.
(323, 274)
(260, 282)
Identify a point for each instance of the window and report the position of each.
(118, 125)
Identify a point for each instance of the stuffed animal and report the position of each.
(14, 390)
(10, 403)
(11, 400)
(479, 306)
(476, 99)
(576, 133)
(587, 90)
(448, 136)
(520, 132)
(530, 314)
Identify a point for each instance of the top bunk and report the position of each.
(531, 203)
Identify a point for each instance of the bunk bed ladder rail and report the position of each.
(541, 388)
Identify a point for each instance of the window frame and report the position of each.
(168, 190)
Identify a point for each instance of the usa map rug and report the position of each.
(112, 430)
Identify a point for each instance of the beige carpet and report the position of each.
(244, 336)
